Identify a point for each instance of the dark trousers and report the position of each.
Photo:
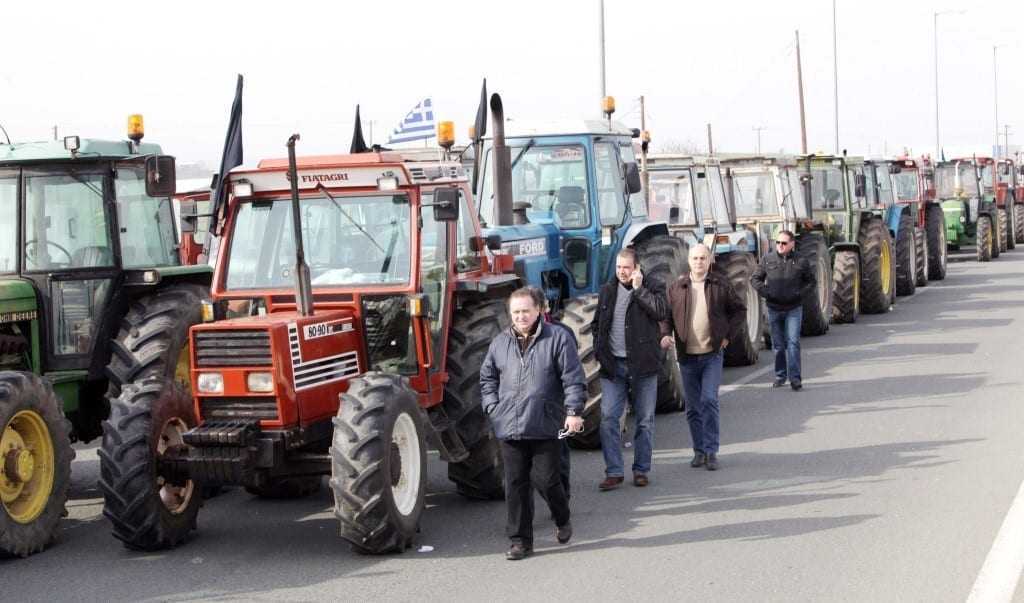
(532, 464)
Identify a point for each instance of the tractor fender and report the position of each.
(846, 246)
(638, 232)
(892, 219)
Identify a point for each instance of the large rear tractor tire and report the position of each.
(935, 235)
(379, 464)
(577, 316)
(876, 279)
(1011, 225)
(475, 325)
(1004, 228)
(664, 258)
(984, 241)
(921, 245)
(148, 511)
(35, 466)
(846, 287)
(1018, 222)
(745, 343)
(817, 308)
(906, 257)
(670, 385)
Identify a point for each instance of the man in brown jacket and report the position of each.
(703, 310)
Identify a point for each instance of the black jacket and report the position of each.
(647, 307)
(527, 394)
(783, 280)
(726, 309)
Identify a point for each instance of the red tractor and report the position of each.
(914, 182)
(354, 302)
(1010, 190)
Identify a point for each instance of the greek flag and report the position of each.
(418, 124)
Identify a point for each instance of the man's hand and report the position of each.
(666, 342)
(638, 278)
(574, 424)
(725, 344)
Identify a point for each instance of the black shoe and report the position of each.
(712, 462)
(563, 533)
(779, 383)
(796, 385)
(698, 460)
(518, 551)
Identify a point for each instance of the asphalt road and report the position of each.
(887, 478)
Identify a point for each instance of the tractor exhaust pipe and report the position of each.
(304, 292)
(502, 165)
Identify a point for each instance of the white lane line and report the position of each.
(997, 580)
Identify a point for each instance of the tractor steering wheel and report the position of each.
(32, 256)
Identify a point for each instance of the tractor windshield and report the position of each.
(146, 224)
(754, 193)
(948, 186)
(826, 187)
(672, 191)
(986, 177)
(711, 195)
(66, 224)
(551, 179)
(349, 241)
(8, 219)
(907, 185)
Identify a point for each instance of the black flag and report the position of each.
(480, 125)
(358, 144)
(231, 157)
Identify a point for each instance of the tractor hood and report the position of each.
(528, 240)
(17, 300)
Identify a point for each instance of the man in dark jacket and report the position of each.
(532, 385)
(626, 334)
(703, 309)
(784, 281)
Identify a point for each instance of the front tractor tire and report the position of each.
(1018, 222)
(578, 316)
(379, 464)
(1004, 228)
(935, 236)
(846, 287)
(475, 325)
(35, 466)
(744, 344)
(984, 241)
(921, 245)
(149, 510)
(817, 307)
(876, 283)
(906, 257)
(1010, 225)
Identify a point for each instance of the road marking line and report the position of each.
(745, 379)
(997, 580)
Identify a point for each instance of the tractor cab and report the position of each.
(689, 193)
(968, 205)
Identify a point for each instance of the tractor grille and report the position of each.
(232, 348)
(264, 408)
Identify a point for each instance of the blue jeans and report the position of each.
(614, 393)
(702, 376)
(785, 325)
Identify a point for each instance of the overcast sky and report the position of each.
(85, 66)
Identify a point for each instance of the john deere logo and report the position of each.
(18, 316)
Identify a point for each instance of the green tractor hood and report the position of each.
(17, 300)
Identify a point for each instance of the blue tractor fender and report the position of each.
(892, 218)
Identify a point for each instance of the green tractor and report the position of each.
(972, 217)
(93, 298)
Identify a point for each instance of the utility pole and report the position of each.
(800, 89)
(645, 177)
(835, 72)
(995, 95)
(758, 130)
(600, 4)
(711, 147)
(55, 132)
(1006, 140)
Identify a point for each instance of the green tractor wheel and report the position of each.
(35, 466)
(846, 287)
(906, 256)
(876, 282)
(985, 242)
(935, 236)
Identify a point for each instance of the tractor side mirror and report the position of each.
(860, 184)
(160, 176)
(477, 243)
(446, 204)
(494, 242)
(633, 183)
(894, 168)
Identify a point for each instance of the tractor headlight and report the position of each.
(963, 219)
(210, 383)
(259, 382)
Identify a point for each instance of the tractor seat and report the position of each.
(92, 256)
(570, 207)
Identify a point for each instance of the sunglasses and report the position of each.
(783, 242)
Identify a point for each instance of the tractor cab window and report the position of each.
(754, 193)
(710, 195)
(907, 185)
(793, 195)
(145, 224)
(955, 179)
(8, 216)
(65, 222)
(551, 179)
(986, 177)
(349, 241)
(611, 192)
(884, 183)
(434, 267)
(826, 187)
(672, 197)
(637, 207)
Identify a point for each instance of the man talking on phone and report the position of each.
(626, 335)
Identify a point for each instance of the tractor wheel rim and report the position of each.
(886, 269)
(405, 484)
(26, 466)
(183, 368)
(942, 248)
(753, 315)
(175, 498)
